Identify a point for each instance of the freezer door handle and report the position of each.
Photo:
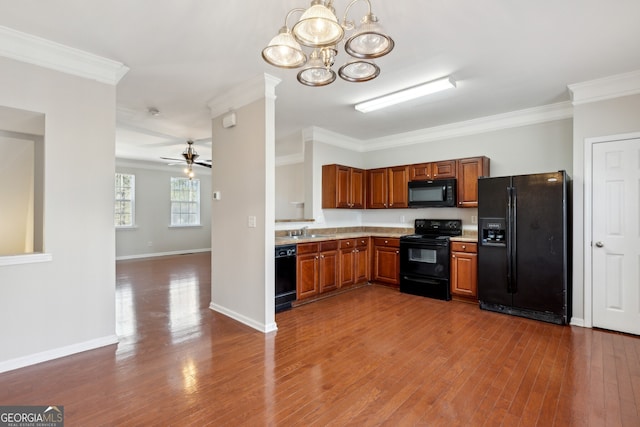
(513, 238)
(509, 239)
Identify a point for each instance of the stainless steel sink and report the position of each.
(308, 236)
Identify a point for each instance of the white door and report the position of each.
(616, 235)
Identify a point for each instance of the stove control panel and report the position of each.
(438, 227)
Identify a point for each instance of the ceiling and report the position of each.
(505, 55)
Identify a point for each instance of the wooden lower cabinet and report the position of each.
(354, 261)
(317, 268)
(464, 270)
(386, 260)
(362, 266)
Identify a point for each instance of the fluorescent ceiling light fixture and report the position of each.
(406, 94)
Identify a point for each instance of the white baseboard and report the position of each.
(157, 254)
(262, 327)
(577, 321)
(56, 353)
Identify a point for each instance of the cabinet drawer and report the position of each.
(307, 248)
(387, 241)
(347, 244)
(329, 245)
(362, 242)
(464, 247)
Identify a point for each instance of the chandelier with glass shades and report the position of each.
(319, 29)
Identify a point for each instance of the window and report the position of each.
(124, 200)
(185, 202)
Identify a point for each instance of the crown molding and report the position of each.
(262, 86)
(529, 116)
(290, 159)
(318, 134)
(45, 53)
(605, 88)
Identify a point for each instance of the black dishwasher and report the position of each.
(285, 276)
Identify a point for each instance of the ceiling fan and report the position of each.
(190, 156)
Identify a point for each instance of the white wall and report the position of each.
(610, 117)
(242, 279)
(152, 235)
(66, 305)
(289, 191)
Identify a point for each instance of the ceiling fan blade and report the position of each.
(171, 158)
(207, 165)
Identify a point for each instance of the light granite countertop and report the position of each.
(321, 234)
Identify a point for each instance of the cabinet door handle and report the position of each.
(464, 247)
(397, 252)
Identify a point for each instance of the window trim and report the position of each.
(132, 201)
(171, 202)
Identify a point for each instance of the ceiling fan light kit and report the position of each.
(190, 156)
(319, 29)
(406, 94)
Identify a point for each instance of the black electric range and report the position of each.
(424, 258)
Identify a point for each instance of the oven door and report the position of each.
(425, 257)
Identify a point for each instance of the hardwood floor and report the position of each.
(371, 356)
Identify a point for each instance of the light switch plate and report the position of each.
(251, 222)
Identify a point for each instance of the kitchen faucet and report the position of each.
(303, 230)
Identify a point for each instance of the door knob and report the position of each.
(599, 244)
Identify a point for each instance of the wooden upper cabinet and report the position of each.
(377, 188)
(358, 180)
(387, 187)
(398, 187)
(343, 187)
(444, 169)
(468, 172)
(434, 170)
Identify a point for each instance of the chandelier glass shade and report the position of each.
(318, 28)
(358, 70)
(284, 51)
(318, 70)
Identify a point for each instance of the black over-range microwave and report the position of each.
(436, 193)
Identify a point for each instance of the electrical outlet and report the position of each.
(474, 219)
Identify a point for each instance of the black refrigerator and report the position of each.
(524, 246)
